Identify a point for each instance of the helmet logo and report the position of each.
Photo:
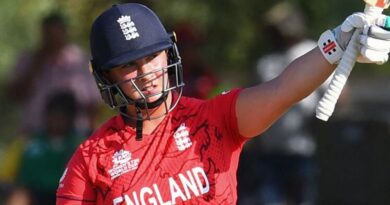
(128, 27)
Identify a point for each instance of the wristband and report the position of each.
(329, 47)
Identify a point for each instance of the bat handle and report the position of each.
(328, 102)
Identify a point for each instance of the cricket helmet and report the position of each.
(122, 34)
(125, 33)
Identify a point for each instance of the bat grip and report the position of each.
(328, 102)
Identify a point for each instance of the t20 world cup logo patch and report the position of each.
(122, 163)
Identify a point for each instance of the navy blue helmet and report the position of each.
(122, 34)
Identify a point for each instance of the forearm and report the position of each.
(259, 106)
(302, 77)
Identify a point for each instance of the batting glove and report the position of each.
(374, 40)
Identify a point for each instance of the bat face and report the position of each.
(378, 3)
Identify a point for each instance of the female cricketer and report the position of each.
(164, 148)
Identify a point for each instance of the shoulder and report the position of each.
(190, 102)
(96, 152)
(194, 103)
(225, 100)
(102, 134)
(187, 107)
(211, 108)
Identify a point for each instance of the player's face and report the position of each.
(144, 76)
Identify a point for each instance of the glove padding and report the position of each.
(374, 40)
(375, 45)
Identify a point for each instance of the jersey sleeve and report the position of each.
(75, 187)
(222, 109)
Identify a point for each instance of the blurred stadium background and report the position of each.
(353, 147)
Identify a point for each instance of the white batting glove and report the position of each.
(375, 41)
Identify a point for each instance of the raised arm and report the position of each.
(259, 106)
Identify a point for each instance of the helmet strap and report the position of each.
(139, 125)
(139, 118)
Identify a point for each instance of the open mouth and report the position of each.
(149, 89)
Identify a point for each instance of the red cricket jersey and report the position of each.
(190, 158)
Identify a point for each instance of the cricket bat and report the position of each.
(328, 102)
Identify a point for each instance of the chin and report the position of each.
(154, 98)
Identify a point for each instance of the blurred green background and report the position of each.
(235, 39)
(233, 27)
(233, 31)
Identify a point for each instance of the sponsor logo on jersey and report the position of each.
(122, 163)
(128, 27)
(191, 183)
(182, 139)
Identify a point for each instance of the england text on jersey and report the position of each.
(193, 183)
